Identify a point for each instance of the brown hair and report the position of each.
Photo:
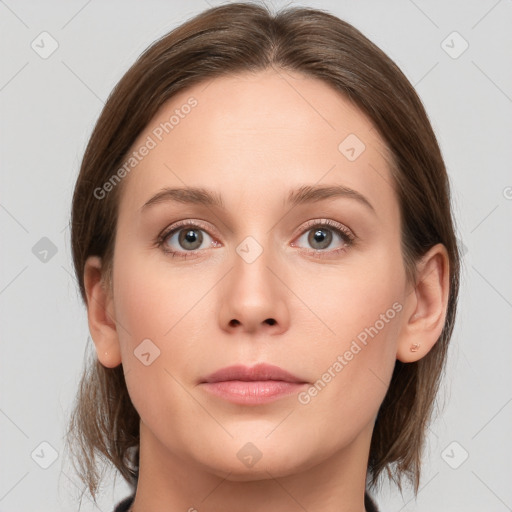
(242, 37)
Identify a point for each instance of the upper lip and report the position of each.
(258, 372)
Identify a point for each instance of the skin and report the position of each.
(251, 138)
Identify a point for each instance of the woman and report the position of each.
(263, 238)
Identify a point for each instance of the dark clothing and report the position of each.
(369, 504)
(124, 505)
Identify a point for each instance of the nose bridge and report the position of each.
(251, 274)
(253, 296)
(256, 251)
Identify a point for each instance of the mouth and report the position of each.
(254, 385)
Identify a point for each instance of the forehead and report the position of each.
(254, 135)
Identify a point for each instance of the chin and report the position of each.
(248, 462)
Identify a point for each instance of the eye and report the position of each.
(184, 238)
(326, 236)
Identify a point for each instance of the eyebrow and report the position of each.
(302, 195)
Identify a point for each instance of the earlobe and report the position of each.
(99, 313)
(425, 306)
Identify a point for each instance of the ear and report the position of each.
(425, 308)
(100, 314)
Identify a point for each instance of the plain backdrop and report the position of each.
(458, 56)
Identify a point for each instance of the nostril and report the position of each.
(234, 322)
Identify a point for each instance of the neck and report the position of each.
(168, 481)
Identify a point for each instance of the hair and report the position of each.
(247, 37)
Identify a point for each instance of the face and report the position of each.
(295, 262)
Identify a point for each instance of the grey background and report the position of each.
(48, 109)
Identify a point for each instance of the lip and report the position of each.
(258, 372)
(254, 385)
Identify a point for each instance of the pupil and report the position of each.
(319, 234)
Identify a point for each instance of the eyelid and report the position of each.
(323, 222)
(175, 226)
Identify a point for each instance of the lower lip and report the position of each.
(253, 392)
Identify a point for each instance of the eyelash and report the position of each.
(345, 234)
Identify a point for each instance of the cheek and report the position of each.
(361, 317)
(360, 296)
(155, 309)
(151, 311)
(150, 299)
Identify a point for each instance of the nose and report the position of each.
(253, 296)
